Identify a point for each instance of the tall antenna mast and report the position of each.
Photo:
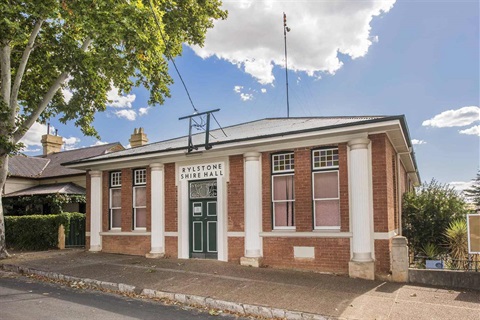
(285, 30)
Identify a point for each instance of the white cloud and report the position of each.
(461, 185)
(67, 94)
(115, 100)
(455, 118)
(246, 96)
(416, 141)
(34, 135)
(143, 111)
(237, 89)
(475, 130)
(98, 143)
(70, 143)
(130, 115)
(252, 36)
(263, 90)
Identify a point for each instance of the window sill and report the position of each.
(123, 233)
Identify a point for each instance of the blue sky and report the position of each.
(418, 58)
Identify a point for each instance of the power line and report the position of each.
(167, 53)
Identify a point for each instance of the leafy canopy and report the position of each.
(94, 45)
(427, 213)
(473, 193)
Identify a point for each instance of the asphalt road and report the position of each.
(26, 299)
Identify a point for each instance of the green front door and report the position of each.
(203, 219)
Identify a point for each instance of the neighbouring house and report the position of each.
(32, 180)
(320, 193)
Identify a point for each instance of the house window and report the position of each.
(140, 199)
(115, 200)
(283, 194)
(326, 193)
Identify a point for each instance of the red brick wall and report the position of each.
(171, 208)
(343, 177)
(331, 255)
(303, 190)
(266, 192)
(134, 245)
(149, 199)
(127, 200)
(382, 256)
(236, 248)
(171, 247)
(380, 184)
(88, 213)
(105, 200)
(235, 194)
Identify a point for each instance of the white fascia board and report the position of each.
(287, 141)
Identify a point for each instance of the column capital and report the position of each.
(156, 166)
(359, 143)
(252, 156)
(95, 173)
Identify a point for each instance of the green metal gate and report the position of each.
(76, 234)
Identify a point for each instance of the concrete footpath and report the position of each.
(264, 292)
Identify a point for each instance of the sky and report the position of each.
(345, 58)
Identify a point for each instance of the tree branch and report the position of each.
(6, 73)
(21, 70)
(19, 133)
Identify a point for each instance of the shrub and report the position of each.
(36, 232)
(427, 213)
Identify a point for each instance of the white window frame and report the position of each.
(282, 171)
(114, 208)
(135, 207)
(325, 199)
(275, 227)
(136, 185)
(327, 167)
(115, 176)
(143, 175)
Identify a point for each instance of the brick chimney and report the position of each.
(138, 138)
(51, 143)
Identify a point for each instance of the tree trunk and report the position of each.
(3, 178)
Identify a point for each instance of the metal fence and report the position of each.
(472, 263)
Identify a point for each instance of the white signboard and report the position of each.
(473, 227)
(202, 171)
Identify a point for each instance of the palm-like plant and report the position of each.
(456, 237)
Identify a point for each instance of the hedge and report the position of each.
(37, 232)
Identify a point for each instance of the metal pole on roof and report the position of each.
(285, 30)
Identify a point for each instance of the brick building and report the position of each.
(321, 194)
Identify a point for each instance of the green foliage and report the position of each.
(473, 193)
(27, 205)
(457, 242)
(96, 44)
(428, 211)
(37, 232)
(431, 251)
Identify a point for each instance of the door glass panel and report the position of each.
(211, 209)
(212, 236)
(197, 236)
(203, 189)
(197, 209)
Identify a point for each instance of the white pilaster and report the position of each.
(253, 209)
(157, 211)
(95, 210)
(361, 214)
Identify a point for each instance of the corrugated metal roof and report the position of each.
(250, 130)
(24, 166)
(50, 165)
(63, 188)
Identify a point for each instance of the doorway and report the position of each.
(203, 219)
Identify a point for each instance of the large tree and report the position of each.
(87, 47)
(473, 193)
